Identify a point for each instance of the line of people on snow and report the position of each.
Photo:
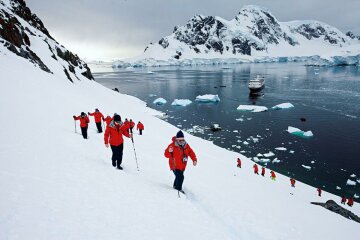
(292, 181)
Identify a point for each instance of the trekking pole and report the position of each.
(75, 125)
(137, 166)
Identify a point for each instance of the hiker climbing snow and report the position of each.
(98, 117)
(140, 127)
(84, 122)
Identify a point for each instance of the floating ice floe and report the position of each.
(160, 101)
(252, 108)
(338, 188)
(356, 196)
(181, 102)
(281, 149)
(358, 180)
(276, 160)
(152, 95)
(350, 182)
(291, 151)
(283, 106)
(312, 162)
(307, 167)
(239, 119)
(259, 155)
(235, 131)
(269, 154)
(246, 143)
(261, 160)
(300, 133)
(150, 72)
(196, 129)
(353, 175)
(207, 98)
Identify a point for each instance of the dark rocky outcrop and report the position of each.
(334, 207)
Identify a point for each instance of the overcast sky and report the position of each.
(113, 29)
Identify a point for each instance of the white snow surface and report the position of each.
(252, 108)
(283, 106)
(160, 101)
(56, 185)
(207, 98)
(181, 102)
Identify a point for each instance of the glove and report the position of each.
(88, 113)
(74, 117)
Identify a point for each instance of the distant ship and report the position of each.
(256, 85)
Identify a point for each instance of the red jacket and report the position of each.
(273, 174)
(131, 124)
(343, 199)
(83, 121)
(178, 158)
(239, 162)
(98, 116)
(114, 133)
(127, 124)
(350, 202)
(108, 120)
(140, 126)
(292, 182)
(256, 169)
(263, 171)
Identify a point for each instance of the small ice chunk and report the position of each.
(356, 196)
(350, 182)
(181, 102)
(207, 98)
(283, 106)
(160, 101)
(246, 143)
(264, 160)
(308, 134)
(307, 167)
(239, 119)
(235, 131)
(255, 140)
(152, 95)
(353, 175)
(150, 72)
(291, 151)
(259, 155)
(269, 154)
(276, 160)
(281, 149)
(256, 159)
(312, 162)
(243, 151)
(300, 133)
(338, 188)
(252, 108)
(358, 180)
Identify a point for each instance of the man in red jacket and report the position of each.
(238, 163)
(263, 171)
(108, 120)
(178, 152)
(98, 117)
(84, 122)
(140, 127)
(350, 202)
(256, 169)
(131, 125)
(292, 181)
(113, 135)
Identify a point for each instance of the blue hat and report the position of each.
(180, 134)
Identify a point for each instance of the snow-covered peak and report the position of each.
(23, 33)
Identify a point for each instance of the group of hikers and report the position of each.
(350, 201)
(177, 152)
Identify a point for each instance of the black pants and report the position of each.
(99, 127)
(179, 179)
(117, 154)
(131, 130)
(84, 132)
(140, 130)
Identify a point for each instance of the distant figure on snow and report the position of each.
(178, 152)
(263, 171)
(127, 124)
(350, 202)
(343, 200)
(140, 127)
(84, 122)
(98, 117)
(319, 192)
(292, 181)
(256, 169)
(113, 135)
(131, 125)
(238, 163)
(273, 175)
(108, 120)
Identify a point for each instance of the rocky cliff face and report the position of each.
(19, 28)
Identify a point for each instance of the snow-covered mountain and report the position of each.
(253, 35)
(23, 33)
(56, 185)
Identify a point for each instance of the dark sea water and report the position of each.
(328, 97)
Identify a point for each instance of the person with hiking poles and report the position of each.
(98, 117)
(114, 135)
(84, 122)
(178, 152)
(131, 125)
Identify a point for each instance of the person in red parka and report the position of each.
(98, 117)
(263, 171)
(292, 181)
(127, 124)
(319, 192)
(84, 122)
(350, 202)
(178, 152)
(238, 163)
(131, 125)
(140, 127)
(343, 200)
(108, 120)
(273, 175)
(256, 169)
(114, 135)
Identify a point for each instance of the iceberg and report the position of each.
(350, 183)
(356, 196)
(281, 149)
(181, 102)
(152, 95)
(283, 106)
(276, 160)
(207, 98)
(307, 167)
(160, 101)
(252, 108)
(269, 154)
(353, 175)
(300, 133)
(338, 188)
